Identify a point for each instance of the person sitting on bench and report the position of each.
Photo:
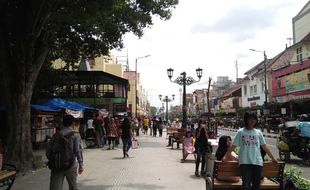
(224, 144)
(188, 145)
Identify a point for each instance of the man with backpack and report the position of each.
(64, 154)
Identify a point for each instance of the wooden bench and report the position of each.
(177, 137)
(171, 130)
(7, 176)
(270, 169)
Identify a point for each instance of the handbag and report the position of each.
(135, 144)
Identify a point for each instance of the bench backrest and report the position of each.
(172, 129)
(178, 135)
(270, 169)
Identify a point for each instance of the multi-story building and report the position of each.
(131, 76)
(301, 23)
(291, 76)
(221, 85)
(97, 82)
(253, 85)
(231, 99)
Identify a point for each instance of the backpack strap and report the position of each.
(69, 134)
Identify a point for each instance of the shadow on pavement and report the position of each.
(140, 186)
(149, 144)
(195, 177)
(188, 161)
(143, 186)
(122, 158)
(299, 162)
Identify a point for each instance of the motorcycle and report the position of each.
(290, 141)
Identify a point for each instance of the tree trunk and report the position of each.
(18, 147)
(23, 50)
(18, 106)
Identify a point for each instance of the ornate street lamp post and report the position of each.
(184, 81)
(167, 100)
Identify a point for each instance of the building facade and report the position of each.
(291, 79)
(301, 23)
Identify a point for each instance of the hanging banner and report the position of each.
(283, 111)
(75, 114)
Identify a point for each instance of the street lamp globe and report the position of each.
(199, 72)
(170, 72)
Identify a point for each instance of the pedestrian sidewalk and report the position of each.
(266, 134)
(151, 166)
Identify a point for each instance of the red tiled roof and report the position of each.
(306, 38)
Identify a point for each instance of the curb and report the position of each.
(235, 130)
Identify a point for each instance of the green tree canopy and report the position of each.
(35, 32)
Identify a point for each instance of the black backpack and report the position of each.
(60, 153)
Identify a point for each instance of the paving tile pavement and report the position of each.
(151, 166)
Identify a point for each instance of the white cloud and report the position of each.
(211, 35)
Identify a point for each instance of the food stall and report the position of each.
(47, 117)
(44, 120)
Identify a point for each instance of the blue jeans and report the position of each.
(126, 144)
(251, 174)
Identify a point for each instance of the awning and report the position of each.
(57, 103)
(45, 108)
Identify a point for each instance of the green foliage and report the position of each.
(220, 113)
(90, 28)
(153, 111)
(294, 174)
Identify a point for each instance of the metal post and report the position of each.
(166, 108)
(184, 121)
(265, 78)
(136, 84)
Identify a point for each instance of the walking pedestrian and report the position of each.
(155, 125)
(56, 153)
(119, 129)
(98, 122)
(250, 140)
(201, 145)
(126, 136)
(160, 126)
(146, 122)
(111, 133)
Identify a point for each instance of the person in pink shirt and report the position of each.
(188, 145)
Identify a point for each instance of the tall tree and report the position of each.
(38, 31)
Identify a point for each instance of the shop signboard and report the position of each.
(297, 81)
(287, 98)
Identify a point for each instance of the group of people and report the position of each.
(155, 124)
(107, 130)
(249, 140)
(252, 149)
(64, 150)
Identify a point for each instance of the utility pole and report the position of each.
(236, 71)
